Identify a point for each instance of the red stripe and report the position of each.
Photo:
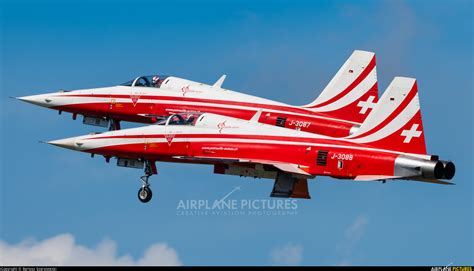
(200, 100)
(336, 126)
(349, 88)
(411, 94)
(231, 136)
(255, 106)
(281, 138)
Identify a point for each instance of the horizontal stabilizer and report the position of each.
(384, 177)
(432, 181)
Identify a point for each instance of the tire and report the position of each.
(144, 194)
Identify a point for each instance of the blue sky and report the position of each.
(283, 50)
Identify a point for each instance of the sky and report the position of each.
(62, 207)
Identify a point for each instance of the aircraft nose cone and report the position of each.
(41, 100)
(72, 143)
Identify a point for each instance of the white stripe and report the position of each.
(357, 62)
(352, 96)
(397, 123)
(341, 80)
(392, 98)
(107, 142)
(142, 99)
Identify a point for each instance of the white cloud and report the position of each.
(63, 250)
(287, 255)
(355, 231)
(353, 234)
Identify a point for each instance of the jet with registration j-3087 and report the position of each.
(389, 145)
(339, 110)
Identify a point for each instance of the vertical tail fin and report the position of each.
(352, 92)
(395, 122)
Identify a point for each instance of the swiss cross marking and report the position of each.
(409, 134)
(364, 106)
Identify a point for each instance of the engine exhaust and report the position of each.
(428, 169)
(449, 170)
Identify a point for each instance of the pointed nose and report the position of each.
(45, 100)
(72, 143)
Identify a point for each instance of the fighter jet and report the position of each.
(389, 145)
(339, 110)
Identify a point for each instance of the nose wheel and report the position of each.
(144, 193)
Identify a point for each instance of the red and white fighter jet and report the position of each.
(343, 104)
(390, 145)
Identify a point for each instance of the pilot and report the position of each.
(156, 81)
(190, 119)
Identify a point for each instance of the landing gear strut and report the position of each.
(144, 193)
(114, 125)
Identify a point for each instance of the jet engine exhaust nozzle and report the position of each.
(449, 170)
(428, 169)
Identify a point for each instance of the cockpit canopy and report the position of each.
(181, 119)
(152, 81)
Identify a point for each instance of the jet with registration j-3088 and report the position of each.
(389, 145)
(340, 108)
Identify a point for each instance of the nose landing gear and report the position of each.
(114, 125)
(144, 193)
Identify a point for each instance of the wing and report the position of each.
(284, 167)
(291, 180)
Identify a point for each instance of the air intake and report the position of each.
(280, 122)
(322, 158)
